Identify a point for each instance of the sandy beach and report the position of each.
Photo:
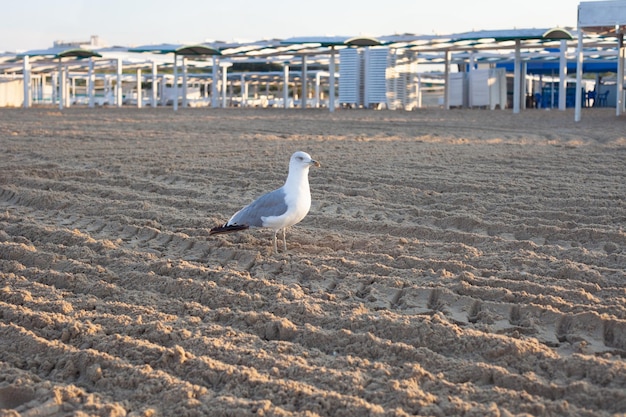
(453, 263)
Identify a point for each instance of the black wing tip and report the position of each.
(228, 229)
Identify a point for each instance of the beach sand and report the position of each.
(453, 263)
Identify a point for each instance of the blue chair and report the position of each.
(591, 98)
(602, 99)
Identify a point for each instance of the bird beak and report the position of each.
(315, 163)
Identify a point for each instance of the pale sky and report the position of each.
(35, 24)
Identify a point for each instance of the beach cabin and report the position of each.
(403, 82)
(478, 88)
(11, 91)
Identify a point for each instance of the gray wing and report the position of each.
(270, 204)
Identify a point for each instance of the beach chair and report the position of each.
(603, 98)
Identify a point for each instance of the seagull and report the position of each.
(280, 208)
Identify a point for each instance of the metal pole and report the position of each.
(517, 78)
(91, 84)
(621, 55)
(61, 85)
(562, 76)
(139, 95)
(446, 91)
(214, 81)
(244, 91)
(303, 78)
(285, 85)
(331, 82)
(184, 59)
(153, 98)
(71, 87)
(118, 86)
(175, 86)
(579, 76)
(224, 84)
(317, 89)
(27, 91)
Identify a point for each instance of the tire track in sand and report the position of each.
(432, 275)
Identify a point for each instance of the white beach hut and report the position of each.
(352, 73)
(362, 76)
(349, 77)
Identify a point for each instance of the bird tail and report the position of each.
(225, 228)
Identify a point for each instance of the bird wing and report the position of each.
(226, 229)
(270, 204)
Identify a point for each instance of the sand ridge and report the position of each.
(466, 262)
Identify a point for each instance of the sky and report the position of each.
(36, 24)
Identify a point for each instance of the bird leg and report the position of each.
(275, 240)
(275, 245)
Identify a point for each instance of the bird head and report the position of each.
(302, 159)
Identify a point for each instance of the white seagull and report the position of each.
(280, 208)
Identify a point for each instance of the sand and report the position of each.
(460, 263)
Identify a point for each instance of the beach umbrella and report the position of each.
(56, 52)
(184, 51)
